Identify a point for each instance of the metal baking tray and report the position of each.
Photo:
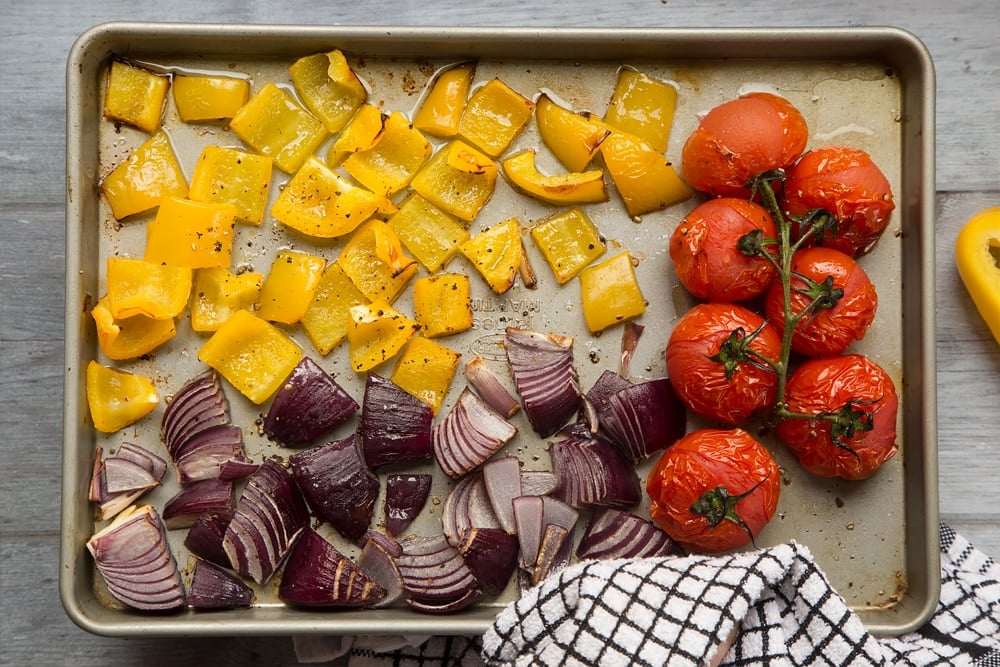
(869, 87)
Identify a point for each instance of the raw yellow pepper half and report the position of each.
(117, 398)
(977, 255)
(138, 287)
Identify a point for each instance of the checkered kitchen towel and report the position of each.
(773, 606)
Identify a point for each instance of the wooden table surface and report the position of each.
(35, 38)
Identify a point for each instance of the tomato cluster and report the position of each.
(772, 254)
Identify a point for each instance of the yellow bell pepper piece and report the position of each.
(373, 260)
(457, 179)
(218, 293)
(977, 255)
(361, 134)
(441, 109)
(328, 316)
(231, 176)
(580, 187)
(117, 398)
(569, 241)
(430, 234)
(572, 137)
(199, 98)
(376, 333)
(328, 87)
(642, 106)
(497, 254)
(442, 305)
(151, 173)
(272, 123)
(129, 337)
(389, 165)
(643, 176)
(252, 354)
(425, 370)
(192, 234)
(494, 116)
(319, 202)
(135, 96)
(611, 293)
(138, 287)
(289, 287)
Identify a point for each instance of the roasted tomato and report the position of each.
(846, 183)
(714, 490)
(707, 252)
(853, 430)
(740, 139)
(719, 360)
(833, 296)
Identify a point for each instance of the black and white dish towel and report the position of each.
(773, 606)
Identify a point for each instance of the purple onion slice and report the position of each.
(436, 576)
(204, 537)
(134, 557)
(203, 455)
(552, 554)
(389, 543)
(502, 477)
(380, 565)
(469, 435)
(198, 405)
(316, 574)
(644, 418)
(215, 588)
(308, 404)
(118, 481)
(467, 506)
(545, 377)
(612, 533)
(395, 426)
(269, 517)
(338, 485)
(489, 387)
(405, 496)
(206, 496)
(607, 385)
(590, 471)
(533, 515)
(538, 483)
(491, 554)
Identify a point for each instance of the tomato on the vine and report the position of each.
(839, 294)
(719, 358)
(705, 248)
(714, 490)
(853, 428)
(845, 182)
(740, 139)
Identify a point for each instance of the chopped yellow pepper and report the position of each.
(192, 234)
(129, 337)
(151, 173)
(642, 106)
(497, 254)
(569, 241)
(458, 179)
(138, 287)
(977, 255)
(290, 285)
(579, 187)
(494, 116)
(328, 87)
(373, 261)
(425, 370)
(441, 109)
(572, 137)
(389, 165)
(206, 97)
(362, 133)
(272, 123)
(430, 234)
(645, 179)
(328, 316)
(135, 96)
(231, 176)
(252, 354)
(441, 304)
(218, 293)
(610, 292)
(376, 333)
(117, 398)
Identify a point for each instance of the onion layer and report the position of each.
(469, 435)
(644, 418)
(590, 471)
(436, 576)
(542, 365)
(612, 533)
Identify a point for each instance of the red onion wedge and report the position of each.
(489, 387)
(215, 588)
(502, 477)
(542, 365)
(491, 554)
(119, 480)
(395, 426)
(133, 556)
(533, 515)
(204, 537)
(612, 533)
(308, 404)
(316, 574)
(389, 543)
(198, 405)
(596, 400)
(436, 576)
(538, 483)
(467, 506)
(405, 496)
(469, 435)
(590, 471)
(207, 496)
(269, 517)
(380, 565)
(644, 418)
(552, 554)
(338, 485)
(203, 455)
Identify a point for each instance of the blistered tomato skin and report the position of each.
(697, 465)
(703, 335)
(829, 330)
(706, 254)
(845, 182)
(740, 139)
(841, 384)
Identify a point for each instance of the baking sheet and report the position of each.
(870, 88)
